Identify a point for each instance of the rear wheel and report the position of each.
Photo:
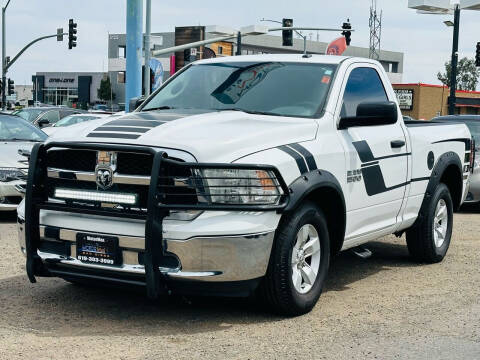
(430, 239)
(298, 263)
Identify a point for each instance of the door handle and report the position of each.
(397, 144)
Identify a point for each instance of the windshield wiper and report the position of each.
(165, 107)
(247, 111)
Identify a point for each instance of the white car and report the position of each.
(15, 135)
(243, 174)
(72, 120)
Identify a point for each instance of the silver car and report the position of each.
(473, 123)
(16, 136)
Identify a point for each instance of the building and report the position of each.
(392, 61)
(425, 101)
(66, 88)
(23, 94)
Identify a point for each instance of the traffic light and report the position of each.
(348, 34)
(477, 55)
(287, 35)
(72, 37)
(11, 87)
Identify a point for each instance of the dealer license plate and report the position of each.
(98, 249)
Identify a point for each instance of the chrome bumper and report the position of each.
(11, 189)
(209, 259)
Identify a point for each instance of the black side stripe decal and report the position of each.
(466, 141)
(366, 155)
(122, 129)
(114, 135)
(143, 123)
(302, 165)
(371, 171)
(312, 165)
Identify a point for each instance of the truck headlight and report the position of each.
(241, 186)
(10, 174)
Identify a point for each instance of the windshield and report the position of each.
(74, 119)
(15, 129)
(276, 88)
(28, 114)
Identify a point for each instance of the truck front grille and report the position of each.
(75, 170)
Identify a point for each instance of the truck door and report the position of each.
(376, 158)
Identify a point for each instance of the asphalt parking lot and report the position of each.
(382, 307)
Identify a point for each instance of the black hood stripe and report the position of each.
(114, 135)
(122, 129)
(144, 123)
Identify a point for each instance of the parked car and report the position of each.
(45, 116)
(473, 123)
(15, 134)
(243, 174)
(72, 120)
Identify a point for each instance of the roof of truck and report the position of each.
(323, 59)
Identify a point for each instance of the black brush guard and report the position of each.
(36, 199)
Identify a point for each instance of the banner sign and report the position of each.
(157, 69)
(337, 46)
(405, 98)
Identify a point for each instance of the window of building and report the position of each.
(220, 50)
(364, 85)
(121, 77)
(122, 51)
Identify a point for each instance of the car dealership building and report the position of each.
(66, 88)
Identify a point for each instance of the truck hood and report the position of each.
(9, 156)
(219, 136)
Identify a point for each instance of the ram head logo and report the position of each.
(106, 165)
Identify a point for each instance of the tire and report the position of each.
(278, 288)
(424, 243)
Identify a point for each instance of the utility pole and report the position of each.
(4, 56)
(453, 78)
(148, 33)
(239, 43)
(133, 84)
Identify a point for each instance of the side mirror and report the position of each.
(136, 102)
(43, 122)
(371, 114)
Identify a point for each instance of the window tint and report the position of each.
(364, 85)
(52, 116)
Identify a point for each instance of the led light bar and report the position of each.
(100, 196)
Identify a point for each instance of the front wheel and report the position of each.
(299, 262)
(430, 239)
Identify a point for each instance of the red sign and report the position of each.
(337, 46)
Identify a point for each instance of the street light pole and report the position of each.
(454, 63)
(148, 31)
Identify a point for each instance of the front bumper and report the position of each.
(11, 193)
(226, 258)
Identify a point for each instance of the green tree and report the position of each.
(467, 74)
(105, 92)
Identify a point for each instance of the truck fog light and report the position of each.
(107, 197)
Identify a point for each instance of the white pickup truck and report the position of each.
(243, 175)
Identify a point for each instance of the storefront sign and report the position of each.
(61, 80)
(405, 98)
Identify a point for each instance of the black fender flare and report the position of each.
(444, 161)
(309, 182)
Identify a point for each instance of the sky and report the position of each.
(424, 39)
